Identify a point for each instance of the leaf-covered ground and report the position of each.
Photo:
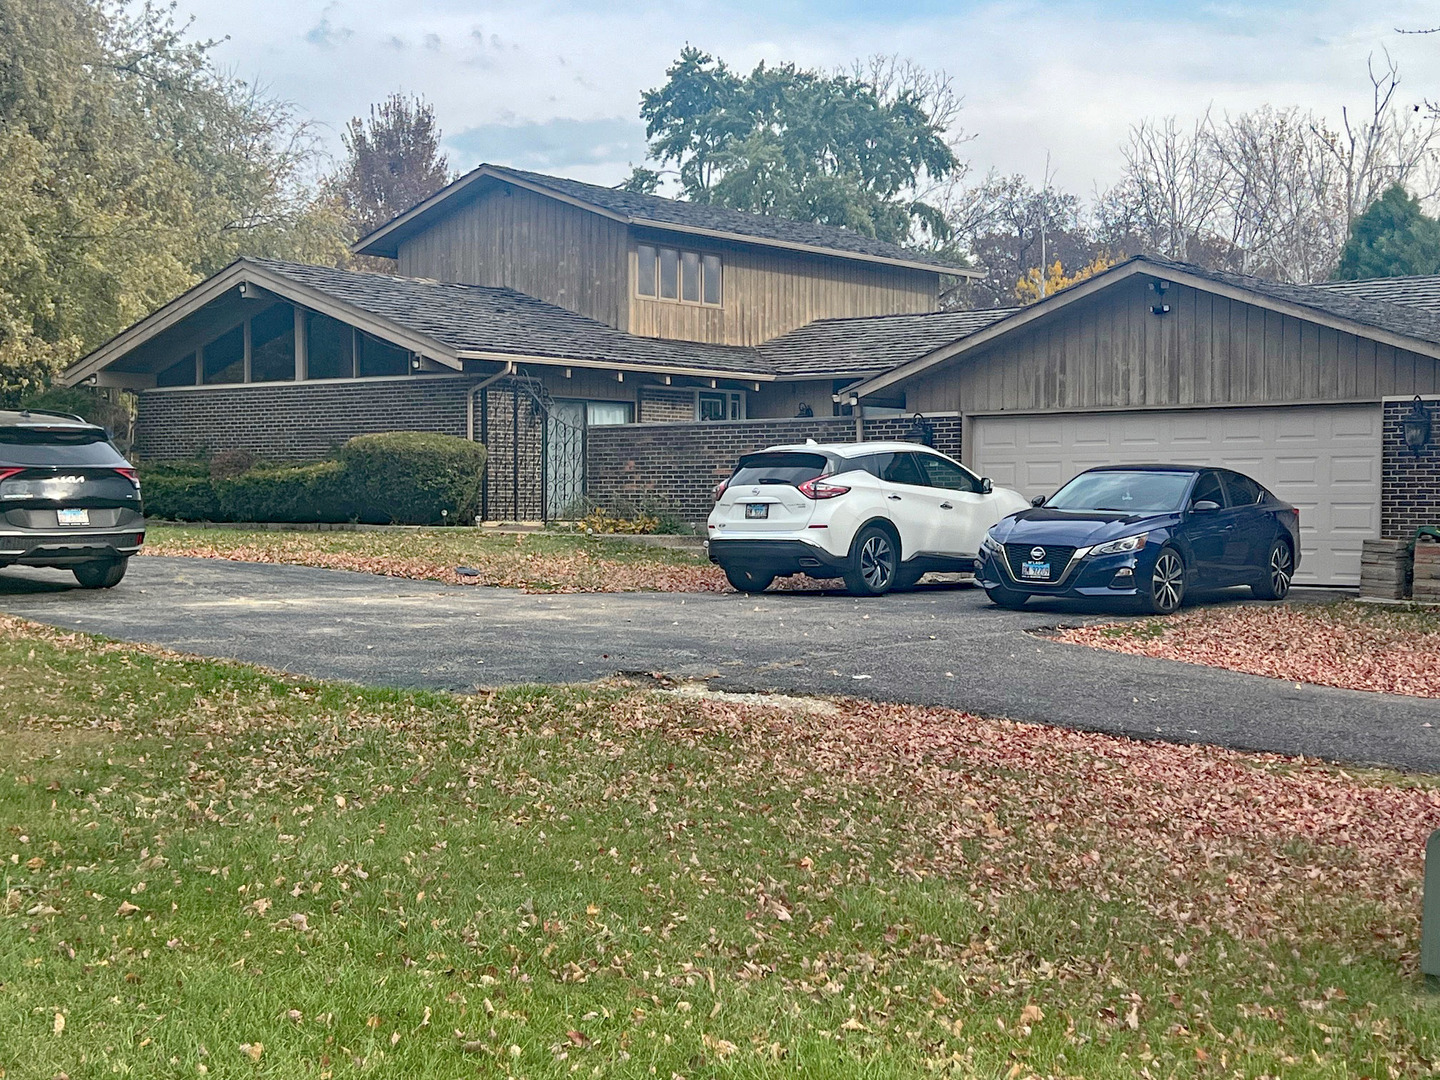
(209, 869)
(536, 562)
(1346, 644)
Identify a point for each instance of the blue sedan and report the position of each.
(1151, 532)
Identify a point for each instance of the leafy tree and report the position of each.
(854, 149)
(1390, 239)
(130, 168)
(1009, 227)
(641, 181)
(1034, 286)
(393, 162)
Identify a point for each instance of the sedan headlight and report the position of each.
(989, 546)
(1121, 546)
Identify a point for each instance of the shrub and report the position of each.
(296, 493)
(228, 463)
(414, 477)
(178, 496)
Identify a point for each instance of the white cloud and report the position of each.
(556, 85)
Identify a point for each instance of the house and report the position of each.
(628, 348)
(1304, 387)
(527, 311)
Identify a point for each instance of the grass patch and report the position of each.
(538, 562)
(1341, 643)
(211, 868)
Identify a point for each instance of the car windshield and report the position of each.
(778, 468)
(1138, 492)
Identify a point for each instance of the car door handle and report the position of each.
(946, 506)
(893, 498)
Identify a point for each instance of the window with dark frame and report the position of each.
(327, 348)
(663, 273)
(225, 358)
(272, 345)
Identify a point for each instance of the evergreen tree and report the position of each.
(1392, 238)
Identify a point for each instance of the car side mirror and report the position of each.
(986, 487)
(1204, 506)
(1038, 500)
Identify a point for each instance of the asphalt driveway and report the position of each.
(935, 646)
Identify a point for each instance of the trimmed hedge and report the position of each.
(415, 477)
(408, 478)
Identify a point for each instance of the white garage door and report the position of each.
(1323, 459)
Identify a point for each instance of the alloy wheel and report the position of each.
(1281, 571)
(1167, 584)
(877, 561)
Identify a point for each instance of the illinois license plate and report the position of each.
(1035, 571)
(72, 517)
(757, 510)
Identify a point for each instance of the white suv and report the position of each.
(880, 515)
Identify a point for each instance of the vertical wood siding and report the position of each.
(1111, 351)
(768, 292)
(523, 241)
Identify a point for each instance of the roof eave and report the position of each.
(244, 271)
(643, 367)
(374, 243)
(1130, 268)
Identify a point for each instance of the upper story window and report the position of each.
(686, 277)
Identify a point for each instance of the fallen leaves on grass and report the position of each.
(1348, 645)
(516, 568)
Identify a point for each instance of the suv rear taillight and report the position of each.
(819, 489)
(720, 489)
(131, 475)
(5, 473)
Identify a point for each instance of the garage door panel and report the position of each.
(1323, 459)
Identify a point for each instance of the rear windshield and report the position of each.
(1139, 492)
(40, 446)
(779, 468)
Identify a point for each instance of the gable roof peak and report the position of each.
(658, 212)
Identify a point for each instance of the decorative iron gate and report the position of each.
(536, 464)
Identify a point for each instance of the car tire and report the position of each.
(100, 574)
(874, 562)
(1279, 569)
(1166, 591)
(1010, 599)
(749, 581)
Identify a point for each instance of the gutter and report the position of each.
(508, 369)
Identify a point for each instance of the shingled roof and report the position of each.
(658, 212)
(482, 318)
(870, 344)
(1421, 291)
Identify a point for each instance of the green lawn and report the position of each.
(541, 561)
(212, 869)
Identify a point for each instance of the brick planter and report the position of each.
(1427, 571)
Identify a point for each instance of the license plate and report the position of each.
(72, 517)
(1035, 570)
(757, 510)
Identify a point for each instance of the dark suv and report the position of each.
(68, 499)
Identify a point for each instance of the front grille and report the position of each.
(1057, 555)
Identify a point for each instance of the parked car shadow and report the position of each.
(35, 582)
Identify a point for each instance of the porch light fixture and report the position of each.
(921, 431)
(1417, 427)
(1160, 286)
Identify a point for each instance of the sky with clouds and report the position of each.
(554, 85)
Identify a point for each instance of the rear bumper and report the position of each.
(778, 557)
(33, 548)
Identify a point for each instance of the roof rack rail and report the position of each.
(52, 412)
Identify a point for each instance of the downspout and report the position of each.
(508, 369)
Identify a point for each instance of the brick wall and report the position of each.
(676, 466)
(666, 405)
(293, 421)
(1410, 485)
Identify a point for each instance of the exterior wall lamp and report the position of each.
(921, 431)
(1417, 427)
(1160, 286)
